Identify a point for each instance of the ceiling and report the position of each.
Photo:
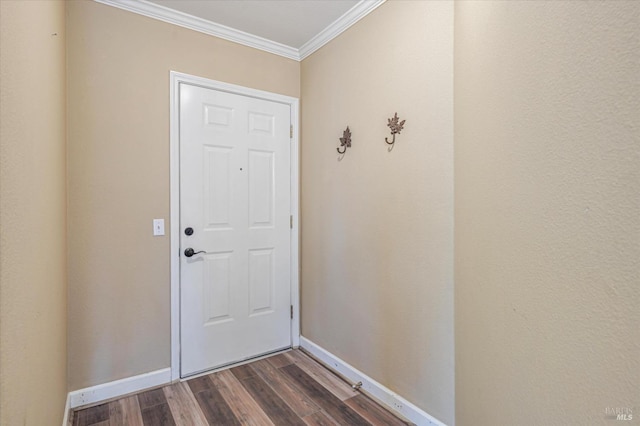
(290, 28)
(290, 22)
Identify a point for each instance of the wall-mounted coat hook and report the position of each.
(395, 127)
(345, 141)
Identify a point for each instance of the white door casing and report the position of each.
(237, 189)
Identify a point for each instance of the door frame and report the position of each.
(174, 158)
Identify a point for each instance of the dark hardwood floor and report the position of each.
(286, 389)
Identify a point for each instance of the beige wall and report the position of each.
(547, 206)
(119, 63)
(33, 298)
(377, 226)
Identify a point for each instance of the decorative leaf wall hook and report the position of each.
(395, 127)
(345, 141)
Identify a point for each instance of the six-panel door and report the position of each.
(235, 194)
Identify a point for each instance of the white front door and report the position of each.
(235, 197)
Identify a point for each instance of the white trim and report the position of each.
(67, 409)
(377, 391)
(117, 388)
(174, 152)
(161, 13)
(340, 25)
(165, 14)
(174, 200)
(295, 232)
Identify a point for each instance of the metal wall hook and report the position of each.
(392, 140)
(345, 141)
(395, 127)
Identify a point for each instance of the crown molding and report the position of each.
(340, 25)
(161, 13)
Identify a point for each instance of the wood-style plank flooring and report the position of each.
(286, 389)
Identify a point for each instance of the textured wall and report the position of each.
(33, 298)
(377, 226)
(119, 63)
(547, 202)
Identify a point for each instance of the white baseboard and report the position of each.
(375, 390)
(105, 391)
(67, 408)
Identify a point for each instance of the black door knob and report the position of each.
(188, 231)
(190, 252)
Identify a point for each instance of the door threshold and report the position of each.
(235, 364)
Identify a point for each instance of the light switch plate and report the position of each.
(158, 227)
